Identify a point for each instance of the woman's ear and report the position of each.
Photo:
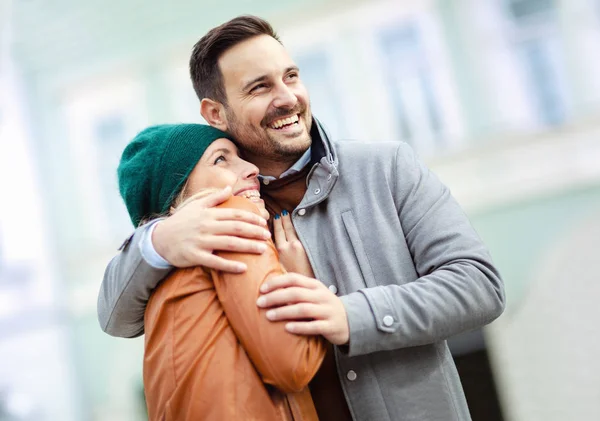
(214, 113)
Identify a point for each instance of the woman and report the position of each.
(210, 353)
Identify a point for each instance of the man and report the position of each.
(398, 267)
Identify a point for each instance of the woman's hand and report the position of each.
(292, 255)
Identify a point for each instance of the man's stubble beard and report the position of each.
(259, 142)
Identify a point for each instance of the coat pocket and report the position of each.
(358, 249)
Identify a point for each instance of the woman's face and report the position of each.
(221, 166)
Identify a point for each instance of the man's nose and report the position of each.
(284, 97)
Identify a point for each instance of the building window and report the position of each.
(316, 74)
(110, 138)
(411, 83)
(537, 45)
(524, 9)
(101, 120)
(540, 63)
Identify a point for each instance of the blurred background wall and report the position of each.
(501, 98)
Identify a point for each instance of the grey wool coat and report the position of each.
(405, 261)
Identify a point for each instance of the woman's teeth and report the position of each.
(250, 194)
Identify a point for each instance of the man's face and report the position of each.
(268, 109)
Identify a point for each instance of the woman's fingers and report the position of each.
(278, 231)
(288, 227)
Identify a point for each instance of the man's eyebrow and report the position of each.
(266, 77)
(255, 80)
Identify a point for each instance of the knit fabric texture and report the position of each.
(156, 164)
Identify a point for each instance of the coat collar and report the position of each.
(322, 146)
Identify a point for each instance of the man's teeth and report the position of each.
(284, 122)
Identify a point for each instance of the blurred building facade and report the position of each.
(501, 98)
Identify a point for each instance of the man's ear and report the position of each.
(214, 113)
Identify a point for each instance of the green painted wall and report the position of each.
(520, 234)
(109, 372)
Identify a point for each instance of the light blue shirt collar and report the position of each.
(297, 167)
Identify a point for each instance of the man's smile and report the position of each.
(284, 122)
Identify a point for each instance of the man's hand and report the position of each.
(309, 305)
(189, 236)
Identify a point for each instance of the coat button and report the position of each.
(333, 289)
(302, 212)
(266, 181)
(351, 375)
(388, 320)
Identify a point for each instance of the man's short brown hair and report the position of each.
(204, 63)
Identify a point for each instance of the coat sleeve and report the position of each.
(458, 288)
(284, 360)
(128, 282)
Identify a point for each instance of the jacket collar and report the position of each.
(323, 174)
(322, 146)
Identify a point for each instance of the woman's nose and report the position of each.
(250, 171)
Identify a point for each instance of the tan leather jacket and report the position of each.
(211, 354)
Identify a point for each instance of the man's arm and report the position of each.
(187, 238)
(459, 288)
(128, 282)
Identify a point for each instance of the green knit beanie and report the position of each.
(156, 164)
